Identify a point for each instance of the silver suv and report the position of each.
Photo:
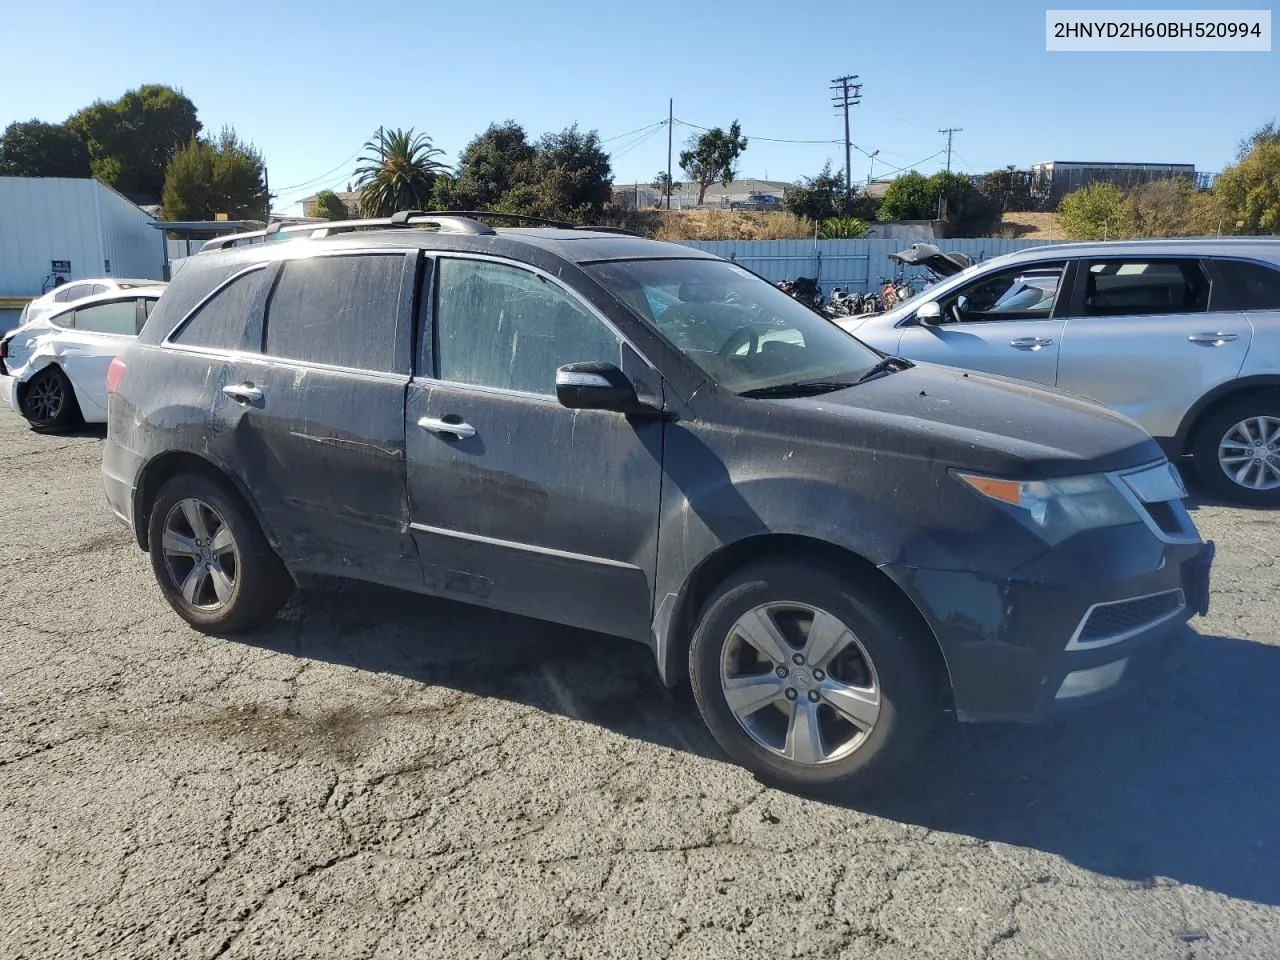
(1183, 336)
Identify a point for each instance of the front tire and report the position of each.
(213, 564)
(812, 682)
(1237, 451)
(49, 401)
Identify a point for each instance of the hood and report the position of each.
(927, 255)
(987, 423)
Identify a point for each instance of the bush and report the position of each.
(1100, 211)
(842, 228)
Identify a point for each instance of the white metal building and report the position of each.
(74, 228)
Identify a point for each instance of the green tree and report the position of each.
(1248, 193)
(444, 193)
(967, 212)
(330, 206)
(712, 157)
(131, 140)
(1007, 189)
(910, 197)
(662, 181)
(35, 149)
(397, 172)
(1269, 132)
(572, 176)
(1099, 211)
(491, 165)
(209, 177)
(818, 197)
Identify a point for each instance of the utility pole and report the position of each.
(266, 183)
(872, 168)
(671, 108)
(848, 93)
(949, 132)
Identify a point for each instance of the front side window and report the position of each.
(219, 323)
(1245, 285)
(342, 311)
(1027, 292)
(741, 331)
(505, 327)
(1125, 287)
(119, 316)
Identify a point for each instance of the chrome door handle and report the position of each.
(1030, 343)
(1213, 339)
(243, 393)
(463, 431)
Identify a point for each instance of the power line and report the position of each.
(305, 183)
(685, 123)
(638, 143)
(660, 123)
(910, 166)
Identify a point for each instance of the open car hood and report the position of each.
(927, 255)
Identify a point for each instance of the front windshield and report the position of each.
(741, 331)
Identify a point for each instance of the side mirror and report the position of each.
(929, 314)
(595, 386)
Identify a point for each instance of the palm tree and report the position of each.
(397, 172)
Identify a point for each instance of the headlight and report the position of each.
(1056, 509)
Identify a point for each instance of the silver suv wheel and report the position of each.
(200, 554)
(799, 682)
(1249, 453)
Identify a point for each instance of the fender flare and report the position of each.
(1183, 439)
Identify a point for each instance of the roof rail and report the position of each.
(597, 229)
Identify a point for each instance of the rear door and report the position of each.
(92, 337)
(1006, 322)
(1141, 338)
(314, 423)
(530, 507)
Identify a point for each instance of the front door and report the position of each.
(517, 502)
(1006, 322)
(1141, 338)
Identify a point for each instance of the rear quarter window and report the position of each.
(220, 322)
(1245, 285)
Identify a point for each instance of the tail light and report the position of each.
(115, 373)
(4, 348)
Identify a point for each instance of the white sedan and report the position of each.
(76, 290)
(57, 363)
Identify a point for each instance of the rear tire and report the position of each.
(1242, 435)
(804, 718)
(49, 401)
(213, 564)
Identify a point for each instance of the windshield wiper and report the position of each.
(887, 365)
(802, 388)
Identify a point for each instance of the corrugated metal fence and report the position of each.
(858, 265)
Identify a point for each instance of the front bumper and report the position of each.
(9, 386)
(1025, 649)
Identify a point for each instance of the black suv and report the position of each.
(637, 438)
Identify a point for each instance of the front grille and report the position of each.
(1164, 513)
(1112, 619)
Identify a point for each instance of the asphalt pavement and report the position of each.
(382, 775)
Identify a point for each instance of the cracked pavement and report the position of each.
(383, 775)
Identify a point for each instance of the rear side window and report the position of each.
(1127, 287)
(219, 323)
(120, 316)
(341, 310)
(1246, 286)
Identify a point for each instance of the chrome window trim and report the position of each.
(1075, 643)
(524, 547)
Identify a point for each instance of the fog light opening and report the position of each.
(1081, 683)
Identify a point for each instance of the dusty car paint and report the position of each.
(616, 539)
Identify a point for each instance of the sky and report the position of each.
(309, 83)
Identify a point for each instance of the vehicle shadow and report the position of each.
(1179, 780)
(1200, 496)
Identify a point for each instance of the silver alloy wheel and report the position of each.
(46, 397)
(1249, 453)
(200, 554)
(799, 682)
